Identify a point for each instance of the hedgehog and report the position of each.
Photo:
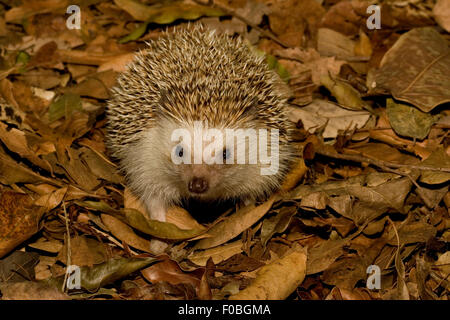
(190, 79)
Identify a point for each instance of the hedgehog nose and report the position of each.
(198, 185)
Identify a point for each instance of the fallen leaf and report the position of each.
(93, 278)
(278, 279)
(441, 12)
(166, 13)
(415, 69)
(28, 290)
(438, 159)
(235, 224)
(83, 252)
(19, 220)
(168, 270)
(125, 233)
(217, 254)
(408, 121)
(345, 94)
(329, 117)
(18, 266)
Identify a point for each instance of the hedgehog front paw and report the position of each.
(157, 210)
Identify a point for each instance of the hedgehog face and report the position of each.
(196, 162)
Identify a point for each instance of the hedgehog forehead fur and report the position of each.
(187, 76)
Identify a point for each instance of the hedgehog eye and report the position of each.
(179, 151)
(226, 154)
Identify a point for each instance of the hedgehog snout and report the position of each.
(198, 185)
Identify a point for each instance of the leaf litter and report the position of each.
(370, 186)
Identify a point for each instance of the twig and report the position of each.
(212, 4)
(435, 126)
(69, 262)
(379, 163)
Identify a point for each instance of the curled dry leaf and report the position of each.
(345, 94)
(217, 254)
(295, 175)
(278, 279)
(84, 251)
(125, 233)
(355, 200)
(169, 271)
(158, 229)
(441, 12)
(93, 278)
(166, 13)
(175, 215)
(329, 117)
(232, 226)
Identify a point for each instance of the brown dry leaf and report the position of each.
(299, 61)
(425, 83)
(321, 115)
(23, 144)
(34, 7)
(383, 152)
(346, 272)
(182, 219)
(235, 224)
(278, 279)
(363, 47)
(443, 264)
(345, 94)
(12, 172)
(289, 19)
(323, 255)
(84, 252)
(41, 78)
(294, 176)
(438, 159)
(51, 200)
(441, 12)
(277, 223)
(29, 290)
(346, 16)
(96, 86)
(85, 57)
(100, 166)
(412, 233)
(333, 43)
(166, 13)
(52, 246)
(356, 201)
(175, 215)
(19, 220)
(125, 233)
(432, 197)
(240, 263)
(117, 63)
(76, 170)
(158, 229)
(169, 271)
(217, 254)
